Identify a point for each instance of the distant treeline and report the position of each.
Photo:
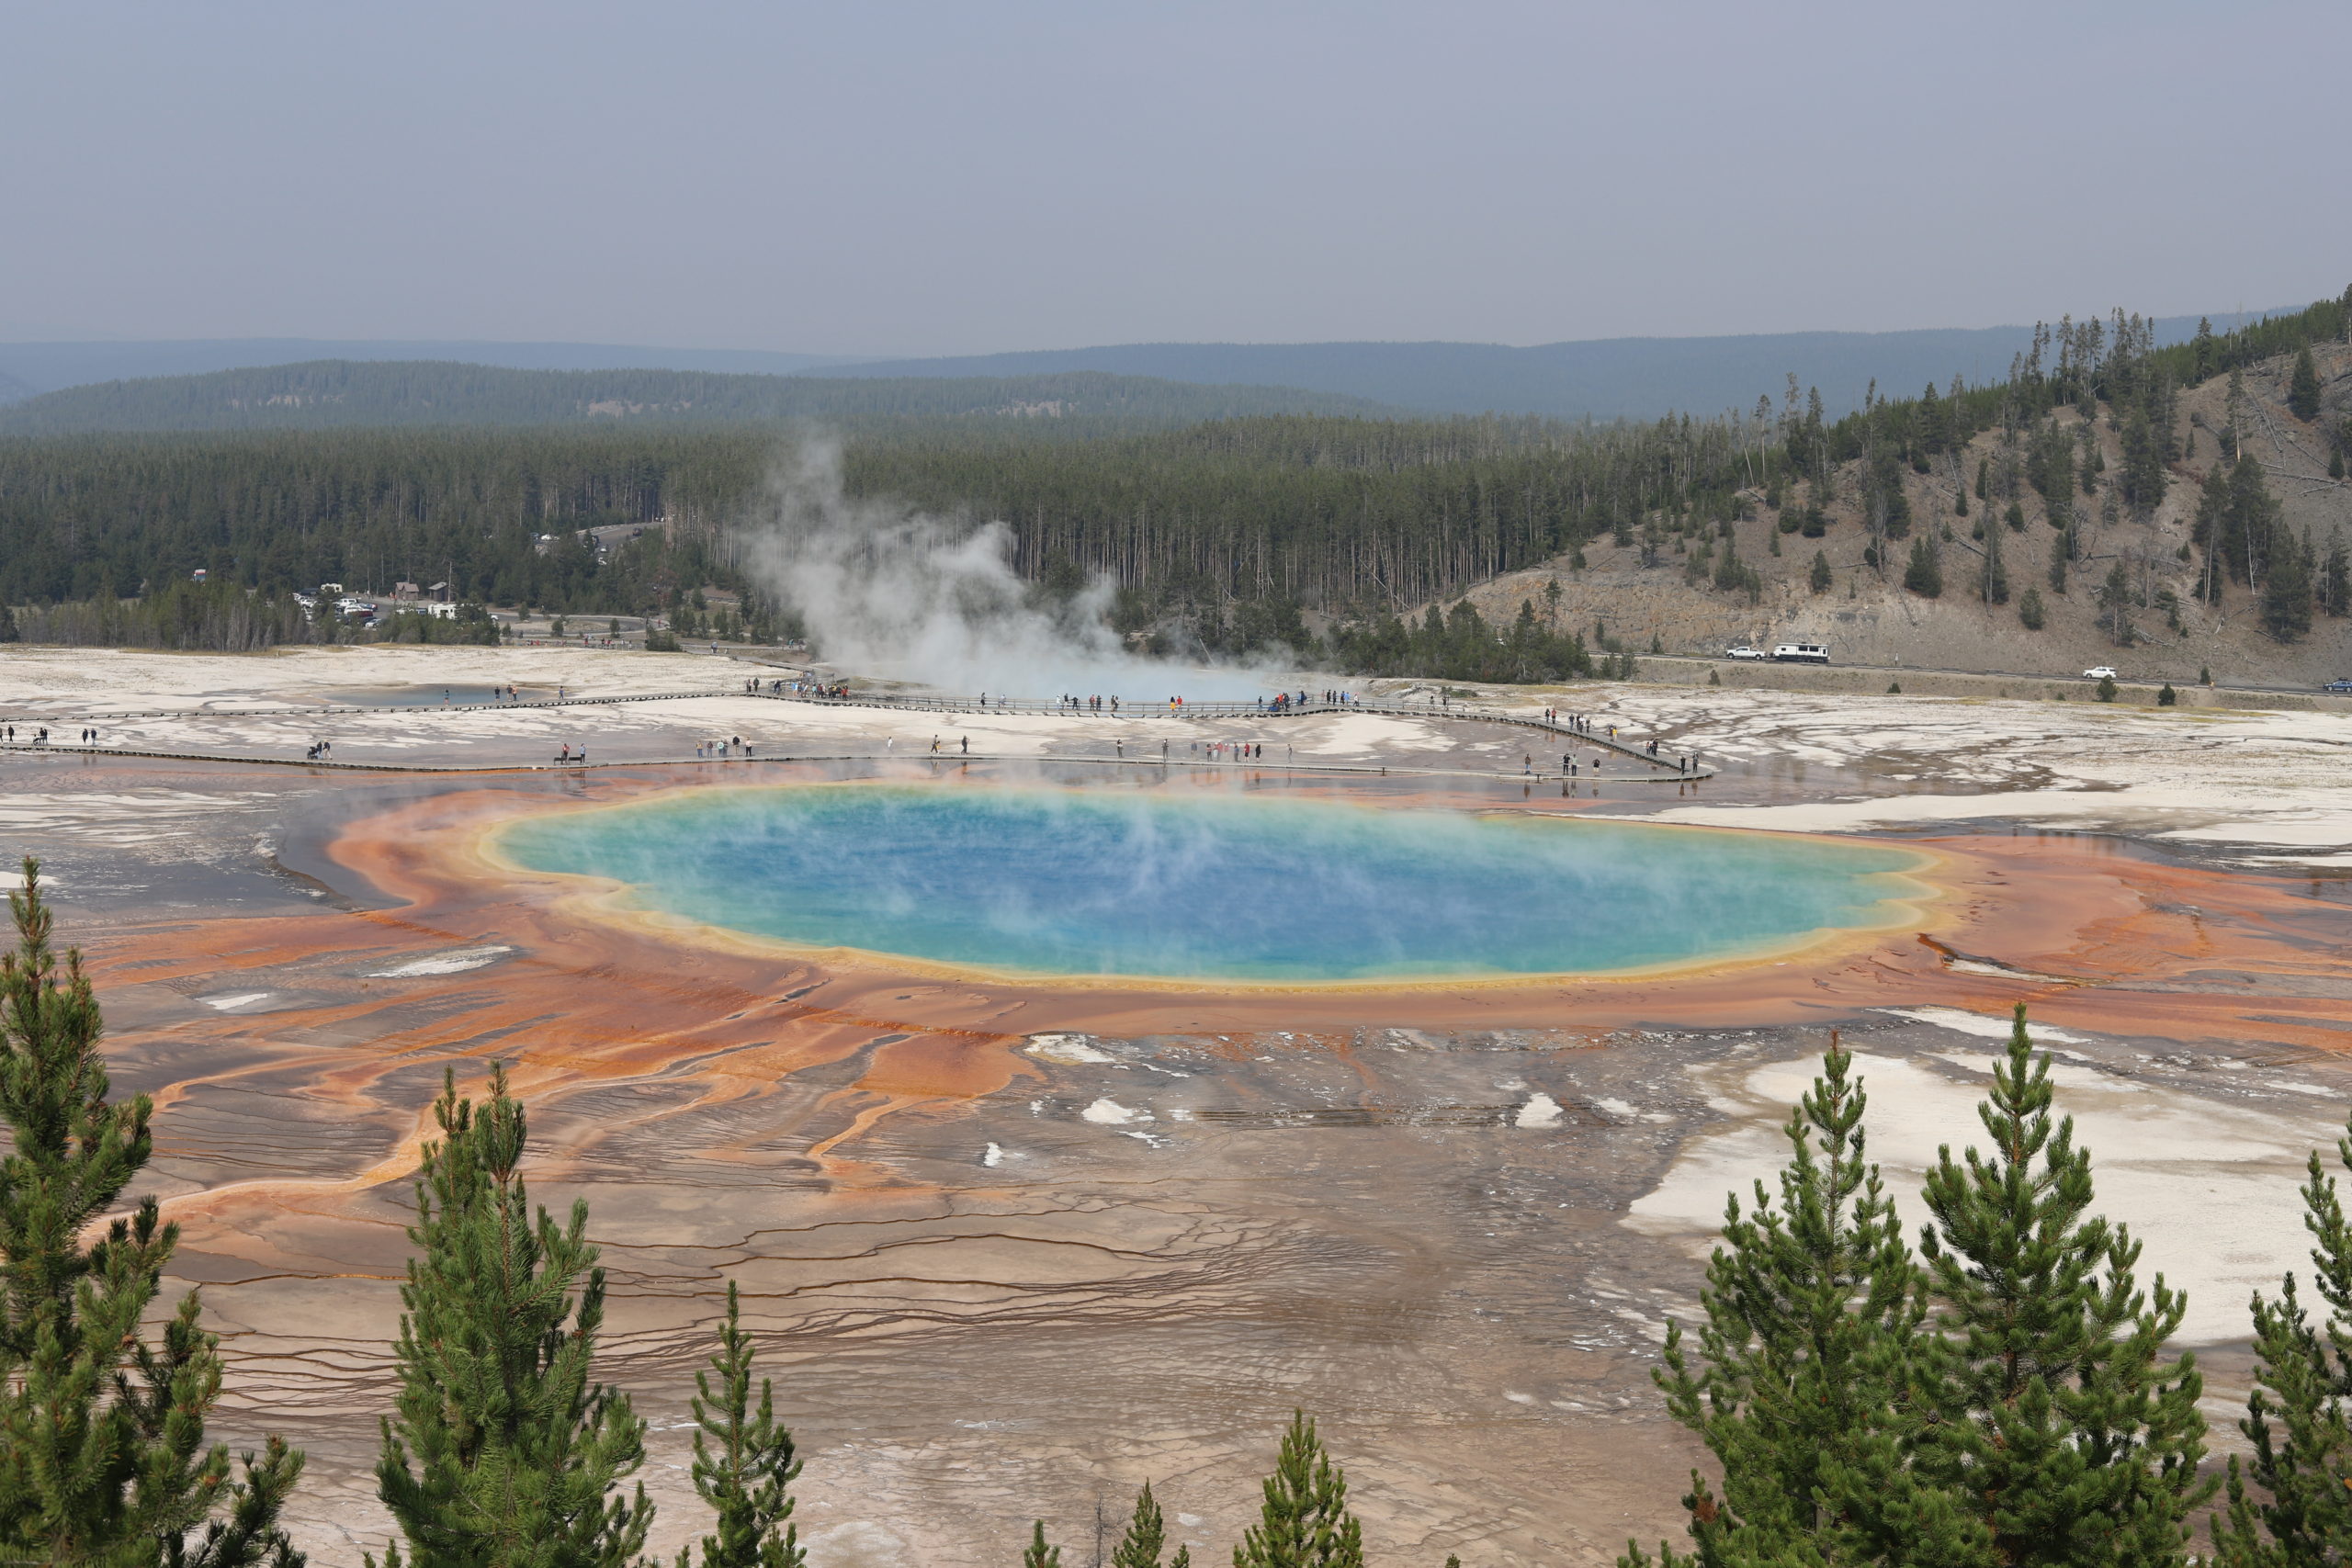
(329, 394)
(1232, 527)
(217, 618)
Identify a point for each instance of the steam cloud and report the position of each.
(891, 590)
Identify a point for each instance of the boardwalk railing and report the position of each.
(1250, 710)
(1671, 766)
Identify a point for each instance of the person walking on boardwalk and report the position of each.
(965, 742)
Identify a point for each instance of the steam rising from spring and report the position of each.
(886, 589)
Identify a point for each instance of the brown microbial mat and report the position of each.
(1012, 1245)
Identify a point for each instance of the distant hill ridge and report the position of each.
(338, 393)
(1632, 377)
(50, 366)
(1637, 378)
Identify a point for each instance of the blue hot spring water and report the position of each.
(1219, 887)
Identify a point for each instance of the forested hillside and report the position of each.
(2123, 452)
(336, 394)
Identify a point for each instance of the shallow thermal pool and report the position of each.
(1074, 882)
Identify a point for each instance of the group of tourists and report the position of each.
(726, 748)
(1076, 704)
(1222, 751)
(963, 743)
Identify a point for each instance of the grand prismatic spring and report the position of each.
(1149, 884)
(1067, 1122)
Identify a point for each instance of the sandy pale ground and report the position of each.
(1014, 1248)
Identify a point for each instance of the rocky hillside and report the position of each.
(1868, 616)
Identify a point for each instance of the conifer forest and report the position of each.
(1219, 536)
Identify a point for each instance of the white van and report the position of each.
(1803, 653)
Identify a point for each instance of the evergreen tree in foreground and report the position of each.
(1304, 1522)
(2061, 1424)
(102, 1453)
(2303, 1382)
(1814, 1307)
(1147, 1533)
(503, 1453)
(743, 1462)
(1040, 1555)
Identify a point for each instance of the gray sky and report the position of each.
(872, 177)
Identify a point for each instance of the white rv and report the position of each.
(1803, 653)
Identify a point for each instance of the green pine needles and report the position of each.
(743, 1462)
(1304, 1522)
(1807, 1391)
(103, 1461)
(2299, 1417)
(1997, 1398)
(1995, 1395)
(2075, 1440)
(1040, 1555)
(503, 1452)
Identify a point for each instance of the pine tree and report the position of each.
(2115, 604)
(1817, 575)
(1304, 1522)
(2302, 387)
(2303, 1382)
(2287, 587)
(503, 1453)
(1147, 1533)
(2030, 611)
(2209, 530)
(2060, 551)
(102, 1453)
(1924, 575)
(1993, 586)
(744, 1466)
(1040, 1555)
(2062, 1425)
(2145, 474)
(1813, 1311)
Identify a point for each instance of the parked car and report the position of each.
(1802, 653)
(1742, 651)
(2341, 688)
(2099, 672)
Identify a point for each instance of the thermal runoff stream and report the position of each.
(1088, 883)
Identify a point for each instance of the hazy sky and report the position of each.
(869, 176)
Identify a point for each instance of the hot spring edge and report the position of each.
(1156, 887)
